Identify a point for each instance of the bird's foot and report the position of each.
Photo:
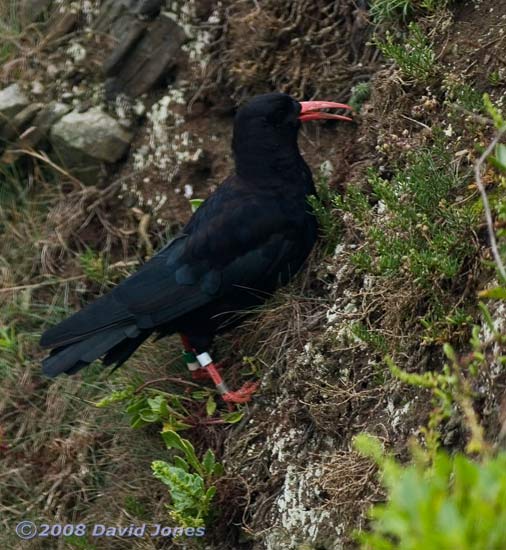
(203, 373)
(242, 395)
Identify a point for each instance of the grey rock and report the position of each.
(45, 118)
(82, 142)
(14, 127)
(112, 11)
(12, 101)
(134, 33)
(143, 57)
(148, 8)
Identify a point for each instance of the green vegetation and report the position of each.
(322, 206)
(445, 503)
(175, 411)
(384, 10)
(415, 228)
(414, 55)
(360, 93)
(189, 481)
(93, 266)
(463, 95)
(439, 500)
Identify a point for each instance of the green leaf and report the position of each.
(159, 406)
(210, 406)
(114, 397)
(180, 463)
(195, 204)
(210, 494)
(233, 417)
(209, 462)
(500, 155)
(173, 440)
(149, 416)
(200, 395)
(186, 490)
(496, 293)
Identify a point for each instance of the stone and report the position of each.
(82, 142)
(113, 11)
(16, 125)
(143, 51)
(41, 125)
(147, 8)
(143, 57)
(112, 65)
(12, 101)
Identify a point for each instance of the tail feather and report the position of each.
(73, 357)
(121, 352)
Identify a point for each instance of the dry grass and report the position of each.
(305, 48)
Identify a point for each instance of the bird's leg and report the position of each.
(242, 395)
(190, 358)
(189, 355)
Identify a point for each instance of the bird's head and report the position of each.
(268, 124)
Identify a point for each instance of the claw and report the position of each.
(242, 395)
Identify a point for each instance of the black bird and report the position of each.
(248, 238)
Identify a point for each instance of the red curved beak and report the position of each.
(310, 110)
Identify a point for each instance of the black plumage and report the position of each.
(248, 238)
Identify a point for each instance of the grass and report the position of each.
(387, 10)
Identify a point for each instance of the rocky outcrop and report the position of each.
(83, 142)
(145, 51)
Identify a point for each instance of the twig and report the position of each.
(43, 157)
(416, 122)
(45, 283)
(486, 205)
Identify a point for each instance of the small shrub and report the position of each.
(414, 56)
(189, 481)
(360, 93)
(450, 503)
(463, 95)
(323, 208)
(93, 266)
(415, 228)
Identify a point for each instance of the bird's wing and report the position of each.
(229, 242)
